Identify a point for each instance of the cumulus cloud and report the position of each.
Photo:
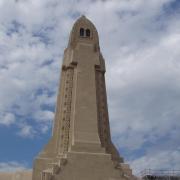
(7, 119)
(26, 131)
(149, 91)
(155, 161)
(140, 41)
(12, 166)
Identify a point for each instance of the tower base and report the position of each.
(83, 166)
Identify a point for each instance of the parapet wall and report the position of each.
(21, 175)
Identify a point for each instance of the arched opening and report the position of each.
(81, 32)
(88, 33)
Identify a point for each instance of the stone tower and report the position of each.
(81, 146)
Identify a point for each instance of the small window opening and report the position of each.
(88, 33)
(82, 32)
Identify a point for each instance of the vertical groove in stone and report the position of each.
(103, 124)
(66, 111)
(58, 112)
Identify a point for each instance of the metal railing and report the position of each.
(160, 173)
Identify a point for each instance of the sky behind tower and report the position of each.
(140, 41)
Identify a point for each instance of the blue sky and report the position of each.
(140, 41)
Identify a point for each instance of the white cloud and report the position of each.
(169, 159)
(12, 166)
(7, 119)
(44, 116)
(26, 131)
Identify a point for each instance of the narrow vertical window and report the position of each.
(82, 32)
(88, 33)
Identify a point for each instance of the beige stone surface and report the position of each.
(21, 175)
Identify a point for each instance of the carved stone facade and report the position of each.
(81, 146)
(66, 112)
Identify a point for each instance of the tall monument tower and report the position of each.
(81, 146)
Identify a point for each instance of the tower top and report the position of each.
(83, 31)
